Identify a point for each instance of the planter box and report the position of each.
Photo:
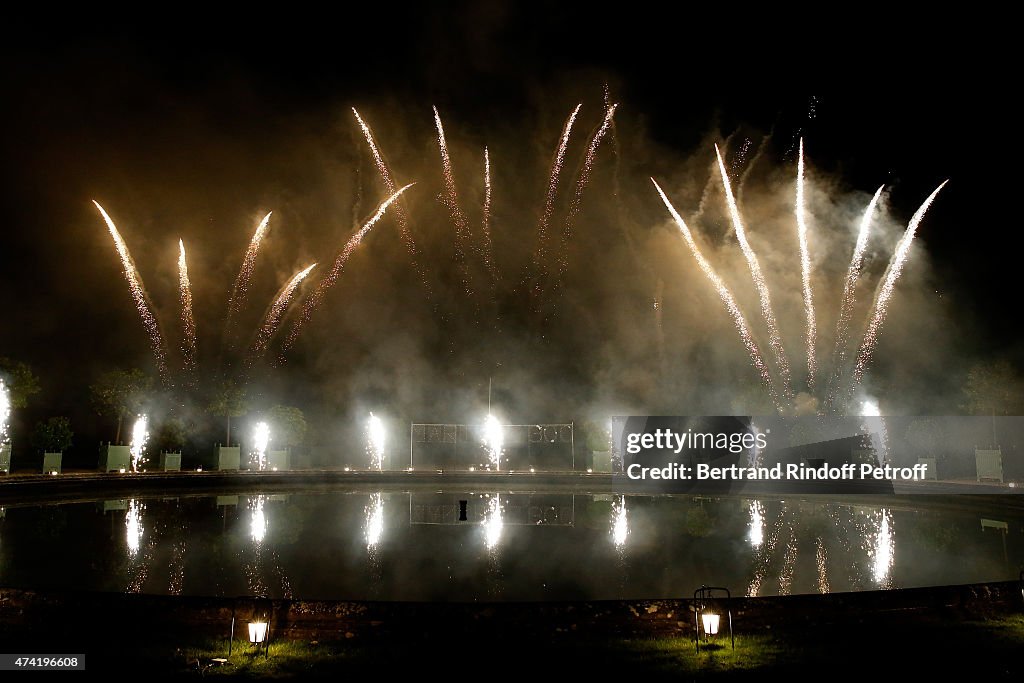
(51, 462)
(170, 462)
(115, 458)
(229, 457)
(277, 460)
(223, 501)
(5, 458)
(113, 505)
(602, 461)
(930, 471)
(990, 464)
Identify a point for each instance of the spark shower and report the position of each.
(833, 378)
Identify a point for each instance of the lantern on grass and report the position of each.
(711, 604)
(259, 611)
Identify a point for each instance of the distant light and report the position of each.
(711, 621)
(53, 471)
(473, 469)
(347, 469)
(409, 470)
(257, 632)
(274, 469)
(589, 471)
(121, 470)
(532, 470)
(199, 469)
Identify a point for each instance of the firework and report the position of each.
(761, 147)
(272, 318)
(375, 440)
(400, 215)
(892, 274)
(581, 185)
(260, 441)
(805, 268)
(486, 227)
(725, 295)
(451, 201)
(241, 288)
(539, 261)
(339, 264)
(138, 291)
(850, 286)
(140, 435)
(188, 345)
(494, 439)
(774, 338)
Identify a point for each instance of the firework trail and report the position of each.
(188, 322)
(488, 243)
(805, 268)
(774, 338)
(138, 291)
(726, 296)
(741, 155)
(581, 185)
(451, 202)
(539, 257)
(339, 263)
(272, 318)
(400, 214)
(709, 185)
(761, 147)
(892, 274)
(241, 287)
(658, 303)
(850, 288)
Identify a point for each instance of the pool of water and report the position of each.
(494, 545)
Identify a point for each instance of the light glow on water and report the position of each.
(133, 526)
(493, 523)
(620, 522)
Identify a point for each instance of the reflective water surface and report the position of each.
(462, 546)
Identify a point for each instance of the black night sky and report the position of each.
(184, 128)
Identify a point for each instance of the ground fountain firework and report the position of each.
(140, 435)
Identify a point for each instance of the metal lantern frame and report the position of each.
(703, 599)
(262, 611)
